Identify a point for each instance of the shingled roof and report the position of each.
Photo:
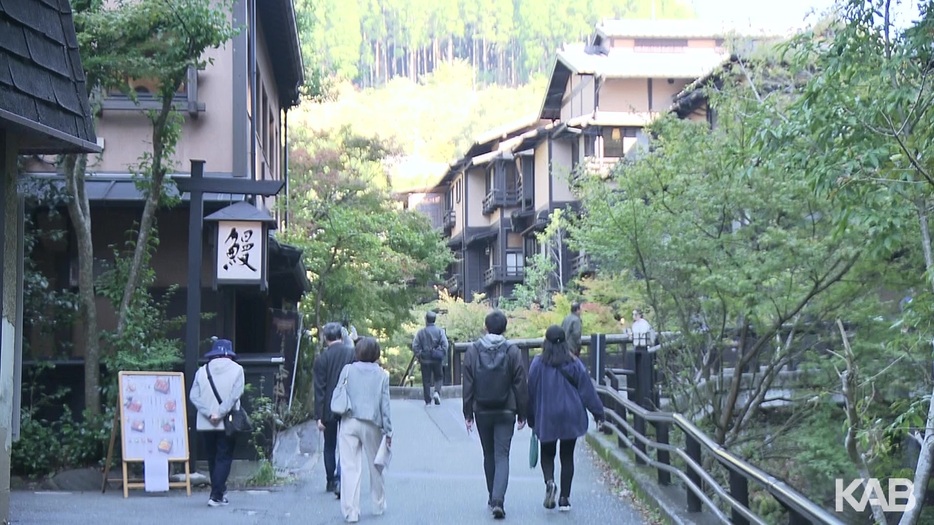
(43, 96)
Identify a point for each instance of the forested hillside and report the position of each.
(506, 41)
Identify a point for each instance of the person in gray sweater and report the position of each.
(363, 428)
(227, 377)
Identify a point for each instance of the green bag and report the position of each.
(533, 451)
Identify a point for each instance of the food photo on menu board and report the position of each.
(151, 412)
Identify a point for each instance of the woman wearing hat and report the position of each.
(560, 394)
(213, 403)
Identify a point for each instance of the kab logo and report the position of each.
(899, 497)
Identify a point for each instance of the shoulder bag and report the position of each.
(237, 420)
(340, 401)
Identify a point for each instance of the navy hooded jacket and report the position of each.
(558, 410)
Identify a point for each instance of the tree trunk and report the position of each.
(377, 56)
(451, 49)
(80, 213)
(141, 250)
(926, 455)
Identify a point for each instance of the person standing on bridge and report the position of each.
(328, 366)
(495, 391)
(573, 328)
(430, 347)
(643, 335)
(560, 394)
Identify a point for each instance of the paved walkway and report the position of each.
(436, 478)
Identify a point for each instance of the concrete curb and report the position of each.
(669, 502)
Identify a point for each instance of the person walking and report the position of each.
(363, 428)
(573, 327)
(215, 391)
(328, 367)
(495, 393)
(430, 347)
(560, 394)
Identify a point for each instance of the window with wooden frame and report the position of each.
(613, 141)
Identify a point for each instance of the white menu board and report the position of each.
(153, 417)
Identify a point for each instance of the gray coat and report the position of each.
(368, 392)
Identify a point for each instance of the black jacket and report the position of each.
(518, 400)
(328, 367)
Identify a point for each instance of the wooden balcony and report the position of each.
(449, 220)
(453, 283)
(499, 199)
(500, 274)
(582, 265)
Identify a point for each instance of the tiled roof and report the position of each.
(620, 63)
(43, 96)
(632, 28)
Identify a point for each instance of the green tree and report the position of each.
(730, 247)
(139, 39)
(368, 259)
(867, 121)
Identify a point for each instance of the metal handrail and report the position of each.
(781, 491)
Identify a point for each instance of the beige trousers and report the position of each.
(359, 441)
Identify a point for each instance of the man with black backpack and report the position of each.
(430, 347)
(496, 393)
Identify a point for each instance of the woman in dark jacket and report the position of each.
(560, 394)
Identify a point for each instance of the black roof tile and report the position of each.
(47, 53)
(12, 39)
(64, 91)
(5, 76)
(53, 117)
(41, 78)
(16, 102)
(31, 81)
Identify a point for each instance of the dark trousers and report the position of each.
(432, 374)
(567, 463)
(495, 431)
(331, 468)
(218, 447)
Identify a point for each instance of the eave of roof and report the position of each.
(285, 52)
(554, 94)
(692, 96)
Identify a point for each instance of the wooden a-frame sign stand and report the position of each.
(151, 403)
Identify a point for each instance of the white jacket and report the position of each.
(228, 378)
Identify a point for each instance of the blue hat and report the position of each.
(221, 348)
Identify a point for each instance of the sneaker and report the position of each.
(218, 502)
(564, 505)
(498, 512)
(550, 491)
(437, 398)
(331, 486)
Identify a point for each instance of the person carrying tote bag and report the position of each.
(365, 424)
(215, 393)
(560, 394)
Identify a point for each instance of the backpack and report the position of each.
(437, 352)
(492, 377)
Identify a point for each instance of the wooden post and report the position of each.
(110, 449)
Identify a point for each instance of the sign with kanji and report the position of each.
(240, 252)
